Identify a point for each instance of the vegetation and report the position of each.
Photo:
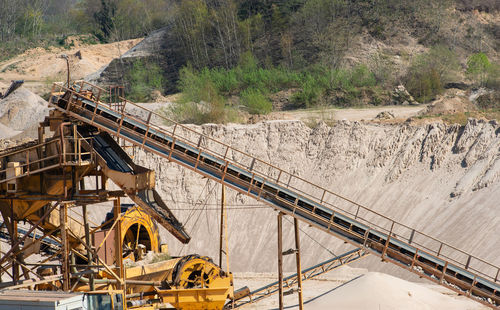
(253, 84)
(251, 49)
(26, 24)
(200, 101)
(144, 77)
(430, 71)
(255, 101)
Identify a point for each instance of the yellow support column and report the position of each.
(118, 245)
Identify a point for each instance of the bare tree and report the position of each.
(9, 12)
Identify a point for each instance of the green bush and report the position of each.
(201, 113)
(255, 101)
(430, 71)
(144, 78)
(201, 101)
(310, 92)
(197, 86)
(478, 66)
(361, 76)
(340, 87)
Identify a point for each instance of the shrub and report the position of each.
(430, 71)
(144, 77)
(255, 101)
(201, 113)
(361, 76)
(201, 101)
(310, 92)
(477, 68)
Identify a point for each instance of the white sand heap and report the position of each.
(21, 111)
(381, 291)
(353, 288)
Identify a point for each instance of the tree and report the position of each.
(430, 71)
(478, 66)
(225, 23)
(9, 12)
(33, 17)
(104, 17)
(191, 24)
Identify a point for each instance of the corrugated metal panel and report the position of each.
(37, 300)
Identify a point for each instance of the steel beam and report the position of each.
(280, 259)
(297, 260)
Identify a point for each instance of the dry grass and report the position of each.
(462, 117)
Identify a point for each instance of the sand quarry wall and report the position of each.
(440, 179)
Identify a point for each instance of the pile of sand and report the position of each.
(6, 132)
(434, 178)
(353, 288)
(21, 111)
(381, 291)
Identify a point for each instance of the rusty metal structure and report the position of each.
(41, 182)
(244, 296)
(50, 185)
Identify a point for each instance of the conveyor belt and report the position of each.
(392, 241)
(116, 159)
(12, 88)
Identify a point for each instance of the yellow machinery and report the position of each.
(45, 184)
(138, 229)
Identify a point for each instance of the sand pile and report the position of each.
(449, 105)
(21, 111)
(353, 288)
(381, 291)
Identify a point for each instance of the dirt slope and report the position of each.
(40, 67)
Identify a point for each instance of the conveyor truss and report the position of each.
(316, 205)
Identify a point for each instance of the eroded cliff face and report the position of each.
(440, 179)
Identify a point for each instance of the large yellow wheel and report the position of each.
(194, 271)
(139, 233)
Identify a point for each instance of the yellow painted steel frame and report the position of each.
(199, 284)
(199, 298)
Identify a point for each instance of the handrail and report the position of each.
(64, 157)
(318, 194)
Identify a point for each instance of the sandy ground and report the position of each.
(353, 288)
(351, 114)
(40, 67)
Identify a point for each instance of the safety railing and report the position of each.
(112, 95)
(272, 175)
(32, 160)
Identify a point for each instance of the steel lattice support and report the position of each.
(292, 280)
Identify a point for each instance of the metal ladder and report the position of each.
(341, 217)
